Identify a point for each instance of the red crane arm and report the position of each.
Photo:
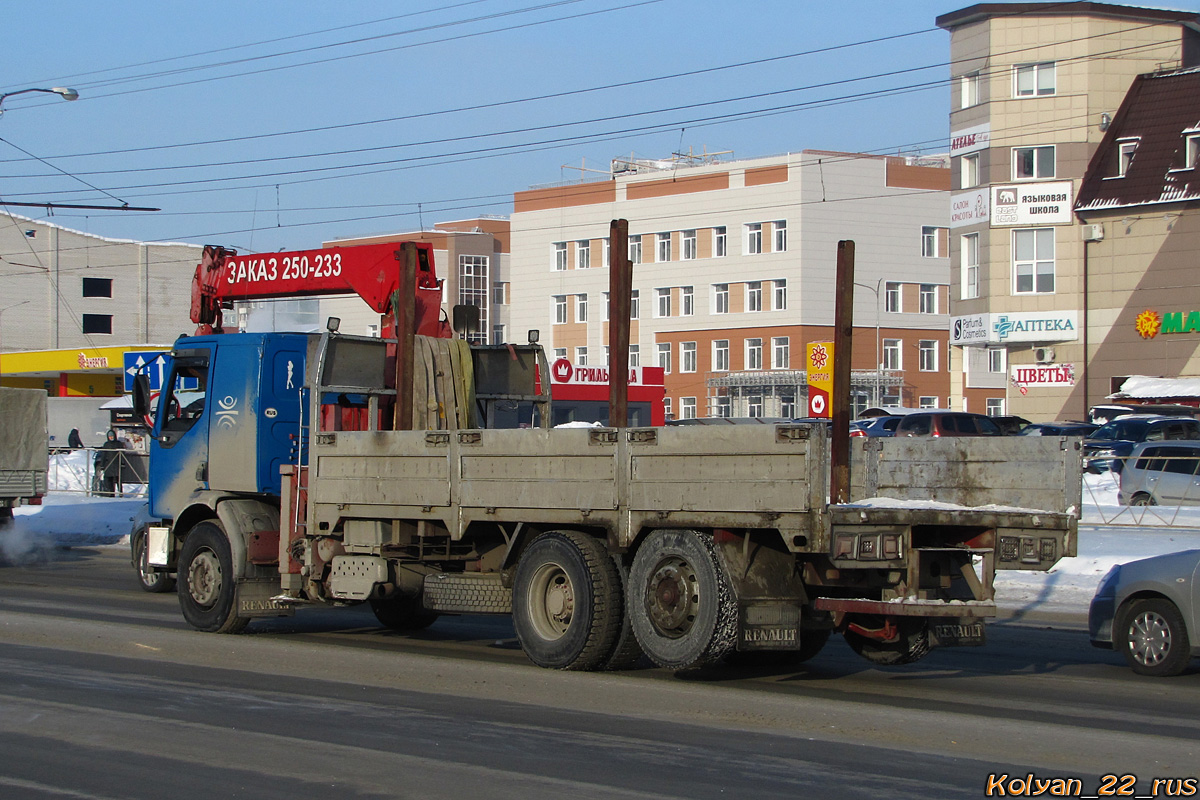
(372, 271)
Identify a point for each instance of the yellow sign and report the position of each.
(819, 361)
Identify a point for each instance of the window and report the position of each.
(635, 355)
(604, 259)
(928, 355)
(720, 242)
(754, 296)
(994, 406)
(97, 287)
(1125, 151)
(780, 353)
(687, 300)
(720, 355)
(689, 245)
(687, 357)
(968, 90)
(780, 229)
(929, 298)
(635, 249)
(787, 405)
(560, 256)
(664, 356)
(891, 298)
(606, 355)
(473, 291)
(687, 408)
(721, 298)
(605, 308)
(635, 305)
(1033, 162)
(754, 238)
(1033, 80)
(97, 323)
(500, 293)
(927, 402)
(891, 354)
(581, 356)
(662, 305)
(667, 407)
(754, 354)
(664, 247)
(969, 253)
(754, 406)
(933, 241)
(968, 166)
(581, 308)
(997, 360)
(560, 352)
(583, 254)
(1033, 261)
(1191, 150)
(721, 406)
(498, 334)
(780, 299)
(560, 309)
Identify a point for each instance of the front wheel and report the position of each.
(1151, 635)
(566, 601)
(206, 581)
(679, 602)
(150, 580)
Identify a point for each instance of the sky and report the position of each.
(276, 125)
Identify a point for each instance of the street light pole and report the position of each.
(62, 91)
(878, 399)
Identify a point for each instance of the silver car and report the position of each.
(1149, 611)
(1161, 474)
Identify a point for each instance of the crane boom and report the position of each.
(372, 271)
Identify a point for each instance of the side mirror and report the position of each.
(141, 395)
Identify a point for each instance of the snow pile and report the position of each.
(68, 520)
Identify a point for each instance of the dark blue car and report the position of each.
(1109, 446)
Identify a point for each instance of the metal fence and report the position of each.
(98, 472)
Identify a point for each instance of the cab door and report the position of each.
(179, 447)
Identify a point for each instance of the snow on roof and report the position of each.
(1147, 387)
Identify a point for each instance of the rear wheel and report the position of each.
(150, 580)
(403, 613)
(1151, 635)
(206, 581)
(680, 603)
(911, 643)
(1143, 499)
(626, 651)
(566, 601)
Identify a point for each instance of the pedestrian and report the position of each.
(108, 465)
(73, 440)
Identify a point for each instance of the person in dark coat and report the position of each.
(73, 440)
(108, 464)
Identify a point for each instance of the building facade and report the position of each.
(1034, 88)
(733, 275)
(74, 302)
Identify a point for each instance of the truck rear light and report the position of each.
(35, 501)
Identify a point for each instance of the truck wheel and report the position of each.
(206, 581)
(150, 581)
(403, 613)
(911, 646)
(680, 603)
(626, 651)
(1151, 635)
(566, 601)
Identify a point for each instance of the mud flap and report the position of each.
(957, 632)
(256, 599)
(767, 625)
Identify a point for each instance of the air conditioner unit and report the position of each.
(1093, 233)
(1043, 355)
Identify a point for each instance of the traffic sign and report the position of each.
(136, 362)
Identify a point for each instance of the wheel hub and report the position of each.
(552, 601)
(672, 598)
(204, 578)
(1150, 639)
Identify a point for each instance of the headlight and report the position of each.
(1104, 453)
(1108, 584)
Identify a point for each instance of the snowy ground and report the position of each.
(1108, 534)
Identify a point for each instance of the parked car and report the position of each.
(1149, 611)
(875, 426)
(1161, 473)
(947, 423)
(1108, 447)
(1058, 429)
(1104, 414)
(1009, 424)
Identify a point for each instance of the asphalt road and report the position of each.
(106, 693)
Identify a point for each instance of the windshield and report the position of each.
(1122, 429)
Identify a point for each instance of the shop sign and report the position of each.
(969, 208)
(92, 362)
(1150, 323)
(1033, 326)
(819, 358)
(970, 140)
(563, 371)
(972, 329)
(1043, 375)
(1033, 203)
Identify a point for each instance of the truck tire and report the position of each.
(148, 579)
(626, 651)
(1150, 633)
(680, 602)
(566, 601)
(911, 646)
(403, 613)
(206, 581)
